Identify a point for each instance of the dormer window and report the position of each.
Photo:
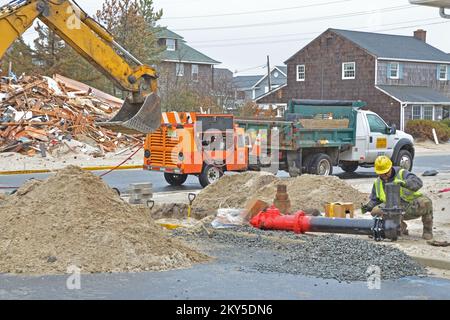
(171, 44)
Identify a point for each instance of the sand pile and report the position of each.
(73, 218)
(305, 192)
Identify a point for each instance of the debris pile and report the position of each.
(74, 219)
(305, 192)
(40, 115)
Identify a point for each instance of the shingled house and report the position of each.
(400, 77)
(251, 87)
(182, 65)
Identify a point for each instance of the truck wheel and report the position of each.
(321, 165)
(404, 160)
(209, 175)
(175, 179)
(349, 167)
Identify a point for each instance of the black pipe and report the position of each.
(345, 226)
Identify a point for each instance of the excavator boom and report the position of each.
(141, 112)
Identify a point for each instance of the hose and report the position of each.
(122, 163)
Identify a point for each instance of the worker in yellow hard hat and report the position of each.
(415, 205)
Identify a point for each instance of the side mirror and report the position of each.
(393, 129)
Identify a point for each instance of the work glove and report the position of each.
(400, 183)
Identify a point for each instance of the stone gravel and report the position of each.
(323, 256)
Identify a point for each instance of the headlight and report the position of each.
(147, 153)
(181, 156)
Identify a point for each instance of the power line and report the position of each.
(309, 39)
(305, 33)
(265, 24)
(256, 11)
(249, 69)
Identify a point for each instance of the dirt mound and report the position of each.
(231, 191)
(73, 218)
(305, 192)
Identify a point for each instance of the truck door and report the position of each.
(379, 138)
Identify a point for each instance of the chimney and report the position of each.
(420, 34)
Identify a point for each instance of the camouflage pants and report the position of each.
(421, 207)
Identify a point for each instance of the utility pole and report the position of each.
(268, 74)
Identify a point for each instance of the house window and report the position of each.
(348, 70)
(180, 70)
(171, 44)
(301, 72)
(417, 112)
(394, 70)
(428, 113)
(443, 73)
(195, 72)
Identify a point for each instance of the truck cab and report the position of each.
(374, 138)
(203, 145)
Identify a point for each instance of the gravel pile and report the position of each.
(327, 256)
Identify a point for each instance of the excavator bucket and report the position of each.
(137, 118)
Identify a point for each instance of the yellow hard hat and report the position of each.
(383, 165)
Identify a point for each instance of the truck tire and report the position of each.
(349, 167)
(175, 179)
(404, 160)
(209, 175)
(321, 165)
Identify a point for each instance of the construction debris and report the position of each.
(40, 115)
(305, 192)
(74, 219)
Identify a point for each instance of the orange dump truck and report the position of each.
(203, 145)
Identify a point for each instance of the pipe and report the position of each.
(344, 226)
(271, 219)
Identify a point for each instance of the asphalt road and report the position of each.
(122, 179)
(227, 278)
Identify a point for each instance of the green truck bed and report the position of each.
(311, 124)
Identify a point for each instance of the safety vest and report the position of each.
(406, 194)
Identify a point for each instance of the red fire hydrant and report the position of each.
(272, 219)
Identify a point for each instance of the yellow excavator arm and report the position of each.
(141, 112)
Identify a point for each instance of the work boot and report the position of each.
(427, 221)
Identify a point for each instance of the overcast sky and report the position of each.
(241, 33)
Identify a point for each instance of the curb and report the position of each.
(100, 168)
(432, 263)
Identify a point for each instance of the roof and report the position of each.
(246, 82)
(282, 69)
(394, 46)
(185, 53)
(223, 73)
(165, 33)
(270, 92)
(411, 95)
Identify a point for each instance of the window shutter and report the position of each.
(438, 72)
(448, 72)
(389, 70)
(400, 71)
